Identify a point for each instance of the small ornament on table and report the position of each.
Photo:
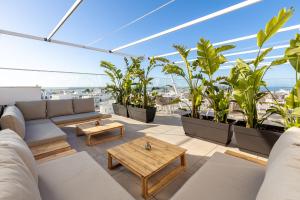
(97, 123)
(148, 146)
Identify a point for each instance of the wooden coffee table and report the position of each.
(145, 163)
(90, 129)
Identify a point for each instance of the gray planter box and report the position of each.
(218, 132)
(141, 114)
(255, 140)
(120, 109)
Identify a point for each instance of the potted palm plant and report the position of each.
(142, 106)
(119, 88)
(246, 78)
(207, 63)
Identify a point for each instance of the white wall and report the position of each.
(9, 95)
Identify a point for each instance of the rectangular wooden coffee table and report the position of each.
(90, 129)
(145, 163)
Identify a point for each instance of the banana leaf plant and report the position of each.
(191, 75)
(246, 78)
(141, 97)
(290, 111)
(120, 86)
(216, 90)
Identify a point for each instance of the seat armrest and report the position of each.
(246, 157)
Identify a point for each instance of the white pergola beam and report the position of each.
(243, 38)
(38, 38)
(63, 20)
(190, 23)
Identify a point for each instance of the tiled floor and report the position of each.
(165, 127)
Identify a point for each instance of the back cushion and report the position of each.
(32, 109)
(13, 119)
(16, 182)
(282, 179)
(10, 139)
(83, 105)
(59, 107)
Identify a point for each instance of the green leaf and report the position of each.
(279, 61)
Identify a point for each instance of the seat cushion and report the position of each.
(83, 105)
(10, 139)
(16, 182)
(78, 176)
(13, 119)
(59, 107)
(223, 177)
(282, 176)
(42, 131)
(32, 109)
(78, 117)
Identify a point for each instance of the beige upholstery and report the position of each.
(78, 177)
(283, 172)
(42, 131)
(10, 139)
(16, 182)
(59, 107)
(32, 109)
(223, 177)
(78, 117)
(83, 105)
(13, 119)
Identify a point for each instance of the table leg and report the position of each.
(122, 131)
(145, 187)
(183, 160)
(88, 140)
(109, 161)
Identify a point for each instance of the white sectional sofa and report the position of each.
(74, 177)
(229, 178)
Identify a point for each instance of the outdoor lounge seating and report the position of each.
(229, 178)
(76, 176)
(35, 121)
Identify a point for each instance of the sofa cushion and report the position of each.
(16, 182)
(223, 177)
(13, 119)
(32, 109)
(78, 176)
(42, 131)
(78, 117)
(10, 139)
(286, 140)
(83, 105)
(282, 176)
(59, 107)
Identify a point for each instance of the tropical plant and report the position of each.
(247, 78)
(191, 75)
(120, 86)
(141, 97)
(290, 111)
(209, 60)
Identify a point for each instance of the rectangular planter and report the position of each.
(141, 114)
(218, 132)
(255, 140)
(120, 109)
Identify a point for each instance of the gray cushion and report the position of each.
(59, 107)
(13, 119)
(78, 117)
(78, 176)
(32, 109)
(10, 139)
(83, 105)
(16, 182)
(42, 131)
(223, 177)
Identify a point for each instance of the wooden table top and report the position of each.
(91, 129)
(134, 156)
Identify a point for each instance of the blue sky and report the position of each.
(98, 18)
